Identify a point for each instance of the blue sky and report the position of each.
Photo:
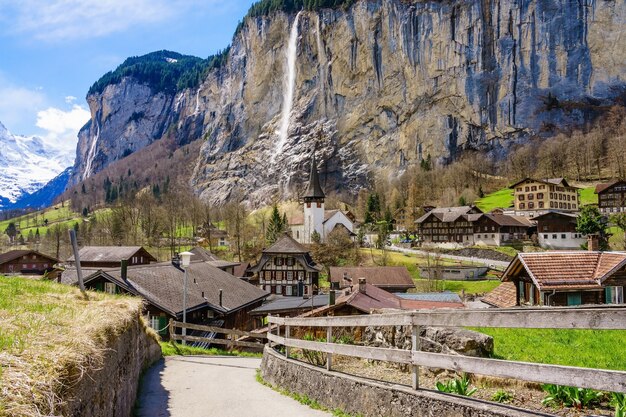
(51, 51)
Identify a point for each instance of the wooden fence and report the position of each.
(231, 340)
(609, 318)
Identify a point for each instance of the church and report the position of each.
(315, 218)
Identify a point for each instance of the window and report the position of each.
(614, 295)
(541, 204)
(563, 236)
(290, 261)
(288, 290)
(279, 289)
(522, 206)
(542, 187)
(531, 196)
(289, 275)
(531, 205)
(554, 236)
(24, 266)
(533, 188)
(278, 261)
(527, 189)
(109, 288)
(545, 236)
(478, 236)
(539, 196)
(154, 323)
(569, 206)
(574, 299)
(521, 197)
(518, 189)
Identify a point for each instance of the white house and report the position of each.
(315, 217)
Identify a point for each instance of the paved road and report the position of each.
(488, 262)
(215, 386)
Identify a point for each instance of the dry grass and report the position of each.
(50, 336)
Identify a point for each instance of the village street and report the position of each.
(200, 386)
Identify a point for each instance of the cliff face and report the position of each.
(378, 87)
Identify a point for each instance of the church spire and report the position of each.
(314, 191)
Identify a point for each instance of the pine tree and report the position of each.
(275, 226)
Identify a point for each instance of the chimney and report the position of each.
(176, 261)
(221, 293)
(331, 298)
(362, 286)
(593, 243)
(124, 268)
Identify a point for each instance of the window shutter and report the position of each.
(608, 295)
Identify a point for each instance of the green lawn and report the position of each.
(587, 196)
(57, 214)
(171, 349)
(502, 198)
(585, 348)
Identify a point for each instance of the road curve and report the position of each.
(216, 386)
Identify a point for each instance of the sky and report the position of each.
(52, 51)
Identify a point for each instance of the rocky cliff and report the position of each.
(376, 88)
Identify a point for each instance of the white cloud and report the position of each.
(70, 99)
(18, 104)
(60, 20)
(62, 126)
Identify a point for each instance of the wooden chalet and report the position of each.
(212, 294)
(112, 256)
(287, 268)
(26, 262)
(498, 229)
(557, 230)
(447, 224)
(567, 278)
(612, 197)
(389, 278)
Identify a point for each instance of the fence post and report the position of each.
(415, 346)
(172, 332)
(287, 334)
(329, 339)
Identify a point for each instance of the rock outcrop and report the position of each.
(378, 87)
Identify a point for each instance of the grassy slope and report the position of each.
(587, 196)
(502, 198)
(586, 348)
(49, 334)
(412, 263)
(36, 220)
(172, 349)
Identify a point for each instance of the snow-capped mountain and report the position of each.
(27, 164)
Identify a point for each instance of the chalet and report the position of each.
(213, 235)
(26, 262)
(112, 256)
(498, 229)
(533, 197)
(612, 197)
(557, 230)
(315, 218)
(201, 254)
(286, 268)
(212, 294)
(447, 225)
(389, 278)
(503, 296)
(364, 298)
(567, 278)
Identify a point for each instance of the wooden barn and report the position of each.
(26, 262)
(112, 256)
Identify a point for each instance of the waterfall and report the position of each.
(197, 102)
(322, 64)
(92, 153)
(289, 80)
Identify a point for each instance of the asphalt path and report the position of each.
(215, 386)
(487, 262)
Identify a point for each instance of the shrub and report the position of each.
(563, 396)
(618, 400)
(459, 386)
(501, 396)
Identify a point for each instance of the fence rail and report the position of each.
(609, 318)
(230, 342)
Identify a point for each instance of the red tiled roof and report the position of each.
(567, 269)
(503, 296)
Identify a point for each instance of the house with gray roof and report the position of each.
(286, 268)
(211, 293)
(112, 256)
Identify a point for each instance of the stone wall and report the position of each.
(111, 390)
(373, 399)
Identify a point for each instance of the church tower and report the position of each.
(313, 205)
